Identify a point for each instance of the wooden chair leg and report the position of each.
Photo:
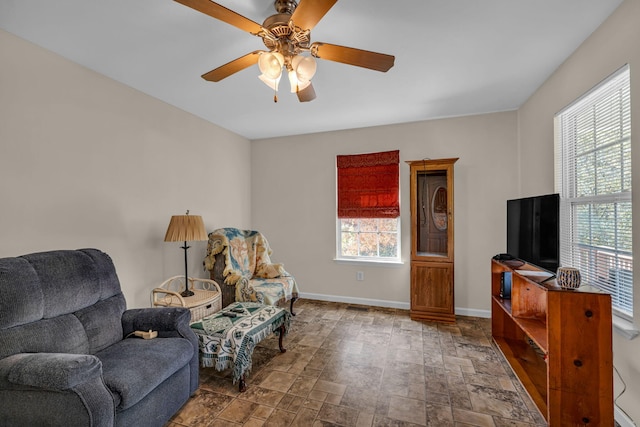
(291, 309)
(280, 338)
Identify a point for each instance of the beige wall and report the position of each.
(610, 47)
(88, 162)
(293, 202)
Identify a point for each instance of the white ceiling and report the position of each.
(453, 57)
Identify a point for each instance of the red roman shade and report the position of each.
(368, 185)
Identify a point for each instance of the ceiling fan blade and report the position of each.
(307, 94)
(309, 12)
(352, 56)
(222, 13)
(232, 67)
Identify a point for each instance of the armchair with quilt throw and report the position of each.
(68, 352)
(239, 260)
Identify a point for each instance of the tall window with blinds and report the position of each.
(593, 178)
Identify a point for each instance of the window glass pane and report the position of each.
(606, 225)
(584, 134)
(603, 225)
(609, 170)
(388, 245)
(626, 165)
(369, 224)
(583, 224)
(624, 227)
(349, 244)
(349, 224)
(388, 224)
(607, 115)
(586, 179)
(368, 244)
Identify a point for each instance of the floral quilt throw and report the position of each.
(248, 266)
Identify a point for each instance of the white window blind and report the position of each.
(593, 178)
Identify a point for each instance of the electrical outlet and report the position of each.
(360, 275)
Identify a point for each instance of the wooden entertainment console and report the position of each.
(558, 343)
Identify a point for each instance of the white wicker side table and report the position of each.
(206, 300)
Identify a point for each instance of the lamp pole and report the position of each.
(186, 292)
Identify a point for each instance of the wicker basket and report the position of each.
(205, 301)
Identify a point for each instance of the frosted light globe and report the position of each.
(270, 64)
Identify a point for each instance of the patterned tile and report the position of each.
(238, 411)
(357, 366)
(409, 410)
(279, 381)
(340, 415)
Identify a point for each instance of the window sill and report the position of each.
(368, 262)
(624, 328)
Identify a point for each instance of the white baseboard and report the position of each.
(361, 301)
(472, 312)
(388, 304)
(622, 418)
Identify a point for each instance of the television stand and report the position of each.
(514, 263)
(558, 343)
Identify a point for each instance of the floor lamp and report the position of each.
(185, 228)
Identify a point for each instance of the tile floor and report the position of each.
(350, 365)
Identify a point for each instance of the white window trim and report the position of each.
(624, 327)
(368, 261)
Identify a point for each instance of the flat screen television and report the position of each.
(533, 230)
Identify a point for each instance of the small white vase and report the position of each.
(568, 277)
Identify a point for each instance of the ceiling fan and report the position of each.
(287, 35)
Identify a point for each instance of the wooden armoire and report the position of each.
(432, 292)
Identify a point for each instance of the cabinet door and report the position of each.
(432, 291)
(432, 210)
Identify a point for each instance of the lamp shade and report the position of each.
(272, 83)
(185, 228)
(270, 64)
(297, 85)
(305, 67)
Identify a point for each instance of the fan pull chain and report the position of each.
(275, 95)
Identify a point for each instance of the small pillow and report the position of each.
(269, 271)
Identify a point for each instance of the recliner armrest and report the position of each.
(168, 322)
(52, 371)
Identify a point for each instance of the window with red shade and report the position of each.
(368, 214)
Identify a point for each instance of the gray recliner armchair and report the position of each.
(68, 352)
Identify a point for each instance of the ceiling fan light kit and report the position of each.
(272, 83)
(270, 63)
(287, 35)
